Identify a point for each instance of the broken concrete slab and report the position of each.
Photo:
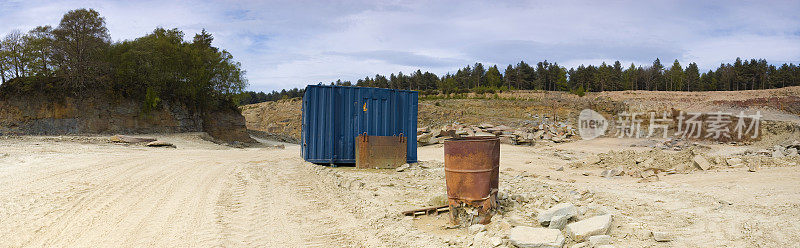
(581, 245)
(565, 209)
(482, 133)
(473, 229)
(599, 240)
(424, 138)
(661, 236)
(530, 237)
(495, 241)
(583, 229)
(558, 222)
(160, 144)
(130, 139)
(735, 162)
(701, 162)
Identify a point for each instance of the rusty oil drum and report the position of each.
(472, 167)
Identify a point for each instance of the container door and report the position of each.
(372, 119)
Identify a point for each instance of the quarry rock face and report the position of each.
(43, 116)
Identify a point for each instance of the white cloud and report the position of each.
(292, 43)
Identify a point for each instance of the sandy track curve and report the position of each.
(110, 195)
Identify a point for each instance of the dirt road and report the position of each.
(68, 194)
(84, 191)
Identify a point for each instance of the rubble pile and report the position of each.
(552, 132)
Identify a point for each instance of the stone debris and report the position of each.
(599, 240)
(583, 229)
(580, 245)
(495, 241)
(791, 152)
(564, 209)
(129, 139)
(661, 236)
(474, 229)
(612, 173)
(402, 168)
(735, 162)
(558, 222)
(701, 162)
(478, 239)
(752, 167)
(556, 133)
(160, 144)
(530, 237)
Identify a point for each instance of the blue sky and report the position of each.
(284, 44)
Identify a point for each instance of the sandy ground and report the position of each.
(84, 191)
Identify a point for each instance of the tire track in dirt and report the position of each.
(191, 197)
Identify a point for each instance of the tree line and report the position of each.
(78, 56)
(741, 75)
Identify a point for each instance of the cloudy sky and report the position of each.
(285, 44)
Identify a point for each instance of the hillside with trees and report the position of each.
(78, 56)
(72, 78)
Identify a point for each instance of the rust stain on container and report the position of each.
(380, 152)
(472, 166)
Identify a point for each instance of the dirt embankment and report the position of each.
(42, 115)
(525, 109)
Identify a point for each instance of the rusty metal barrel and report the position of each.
(472, 167)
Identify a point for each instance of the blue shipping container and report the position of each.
(334, 115)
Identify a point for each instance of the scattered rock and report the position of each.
(561, 168)
(495, 241)
(605, 246)
(473, 229)
(402, 167)
(478, 239)
(484, 134)
(564, 209)
(530, 237)
(580, 245)
(558, 222)
(129, 139)
(752, 167)
(519, 198)
(777, 154)
(424, 138)
(661, 236)
(612, 173)
(507, 135)
(160, 144)
(599, 240)
(581, 230)
(735, 162)
(701, 162)
(791, 152)
(502, 195)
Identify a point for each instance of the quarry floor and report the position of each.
(86, 192)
